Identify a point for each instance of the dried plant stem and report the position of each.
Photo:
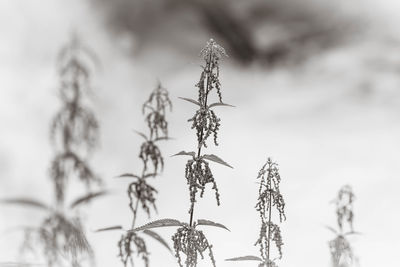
(269, 223)
(270, 233)
(140, 192)
(204, 105)
(189, 241)
(134, 214)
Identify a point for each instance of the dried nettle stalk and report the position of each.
(189, 241)
(269, 197)
(141, 194)
(341, 251)
(74, 132)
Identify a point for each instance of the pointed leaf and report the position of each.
(191, 101)
(184, 153)
(128, 175)
(162, 138)
(245, 258)
(158, 238)
(216, 159)
(352, 233)
(157, 224)
(25, 201)
(141, 134)
(211, 223)
(220, 104)
(150, 175)
(331, 229)
(86, 198)
(19, 264)
(117, 227)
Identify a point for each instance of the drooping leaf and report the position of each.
(220, 104)
(211, 223)
(245, 258)
(141, 134)
(352, 233)
(86, 198)
(216, 159)
(157, 224)
(25, 202)
(158, 238)
(19, 264)
(150, 175)
(331, 229)
(128, 175)
(184, 153)
(162, 138)
(111, 228)
(191, 101)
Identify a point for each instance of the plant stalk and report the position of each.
(269, 225)
(202, 132)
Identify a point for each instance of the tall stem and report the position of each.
(202, 132)
(269, 225)
(134, 213)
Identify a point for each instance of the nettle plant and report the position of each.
(341, 251)
(189, 241)
(269, 198)
(140, 193)
(74, 135)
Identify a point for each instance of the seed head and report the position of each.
(191, 242)
(198, 174)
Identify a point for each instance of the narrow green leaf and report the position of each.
(211, 223)
(191, 101)
(86, 198)
(111, 228)
(157, 224)
(25, 202)
(220, 104)
(158, 238)
(184, 153)
(245, 258)
(216, 159)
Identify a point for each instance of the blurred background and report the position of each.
(315, 84)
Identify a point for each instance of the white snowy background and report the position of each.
(329, 121)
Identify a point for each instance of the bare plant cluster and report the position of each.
(74, 135)
(141, 194)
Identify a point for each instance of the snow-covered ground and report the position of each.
(332, 121)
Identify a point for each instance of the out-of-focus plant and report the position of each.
(340, 248)
(190, 243)
(74, 134)
(269, 197)
(141, 194)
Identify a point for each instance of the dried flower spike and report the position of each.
(140, 193)
(269, 196)
(74, 129)
(190, 243)
(340, 248)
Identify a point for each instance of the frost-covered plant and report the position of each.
(141, 194)
(269, 197)
(74, 134)
(341, 251)
(190, 243)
